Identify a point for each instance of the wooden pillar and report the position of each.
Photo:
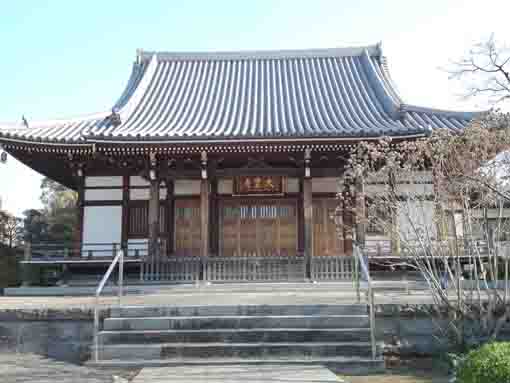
(170, 217)
(214, 228)
(154, 227)
(301, 219)
(81, 207)
(204, 207)
(308, 215)
(125, 214)
(360, 212)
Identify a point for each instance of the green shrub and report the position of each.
(488, 364)
(9, 267)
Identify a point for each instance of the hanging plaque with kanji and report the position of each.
(258, 185)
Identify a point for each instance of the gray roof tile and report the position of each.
(337, 93)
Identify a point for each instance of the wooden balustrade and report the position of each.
(171, 269)
(231, 269)
(329, 268)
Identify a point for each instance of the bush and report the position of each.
(9, 267)
(488, 364)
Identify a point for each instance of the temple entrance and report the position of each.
(258, 227)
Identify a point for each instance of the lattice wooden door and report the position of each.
(258, 228)
(325, 237)
(187, 227)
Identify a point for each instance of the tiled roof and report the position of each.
(335, 93)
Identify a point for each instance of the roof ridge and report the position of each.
(373, 50)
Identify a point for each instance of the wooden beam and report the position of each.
(230, 172)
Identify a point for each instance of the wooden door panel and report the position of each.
(248, 231)
(229, 221)
(288, 229)
(187, 227)
(260, 227)
(326, 241)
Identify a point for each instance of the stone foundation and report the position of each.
(403, 330)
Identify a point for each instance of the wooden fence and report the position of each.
(329, 268)
(282, 268)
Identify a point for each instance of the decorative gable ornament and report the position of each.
(114, 118)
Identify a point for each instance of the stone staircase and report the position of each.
(333, 335)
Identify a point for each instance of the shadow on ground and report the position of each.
(411, 371)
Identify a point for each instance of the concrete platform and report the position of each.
(213, 295)
(237, 374)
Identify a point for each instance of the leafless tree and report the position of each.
(486, 68)
(454, 232)
(11, 229)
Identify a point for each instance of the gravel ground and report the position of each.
(31, 368)
(423, 370)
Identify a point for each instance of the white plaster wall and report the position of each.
(417, 177)
(103, 181)
(143, 194)
(225, 186)
(374, 189)
(415, 189)
(187, 187)
(491, 213)
(325, 185)
(419, 214)
(101, 224)
(103, 194)
(138, 181)
(293, 185)
(459, 224)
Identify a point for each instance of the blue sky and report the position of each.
(65, 58)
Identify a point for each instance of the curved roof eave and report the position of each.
(461, 115)
(41, 132)
(368, 91)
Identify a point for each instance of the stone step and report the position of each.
(233, 310)
(234, 350)
(269, 335)
(343, 365)
(237, 322)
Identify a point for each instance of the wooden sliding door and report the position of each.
(325, 237)
(187, 238)
(258, 227)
